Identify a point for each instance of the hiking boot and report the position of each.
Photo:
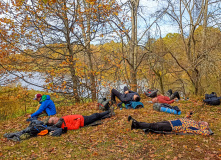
(134, 125)
(129, 118)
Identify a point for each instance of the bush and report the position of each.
(14, 101)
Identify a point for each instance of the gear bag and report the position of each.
(151, 93)
(212, 99)
(164, 107)
(131, 104)
(103, 104)
(36, 127)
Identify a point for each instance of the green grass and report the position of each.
(114, 140)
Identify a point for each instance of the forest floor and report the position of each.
(114, 139)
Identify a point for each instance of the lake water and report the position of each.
(36, 81)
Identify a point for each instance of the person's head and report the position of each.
(136, 98)
(53, 120)
(155, 100)
(38, 97)
(203, 124)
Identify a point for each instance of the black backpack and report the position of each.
(212, 99)
(36, 127)
(151, 93)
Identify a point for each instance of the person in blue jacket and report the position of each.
(47, 105)
(127, 96)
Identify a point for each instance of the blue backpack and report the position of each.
(164, 107)
(131, 104)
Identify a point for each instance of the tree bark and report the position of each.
(133, 45)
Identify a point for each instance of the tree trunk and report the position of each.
(92, 77)
(161, 84)
(196, 77)
(71, 61)
(133, 45)
(87, 39)
(75, 84)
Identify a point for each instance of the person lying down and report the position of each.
(56, 126)
(177, 126)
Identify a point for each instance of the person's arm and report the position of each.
(132, 91)
(166, 98)
(41, 109)
(126, 99)
(198, 131)
(58, 132)
(126, 90)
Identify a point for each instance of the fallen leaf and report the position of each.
(180, 155)
(167, 156)
(199, 149)
(174, 158)
(68, 155)
(95, 154)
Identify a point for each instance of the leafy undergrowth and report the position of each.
(114, 139)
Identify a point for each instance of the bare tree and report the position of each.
(189, 15)
(127, 30)
(52, 35)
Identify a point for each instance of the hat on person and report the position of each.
(37, 96)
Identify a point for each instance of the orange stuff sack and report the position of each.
(42, 133)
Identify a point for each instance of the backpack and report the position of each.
(208, 96)
(164, 107)
(103, 104)
(151, 93)
(212, 99)
(36, 127)
(131, 104)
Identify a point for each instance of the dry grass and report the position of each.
(114, 139)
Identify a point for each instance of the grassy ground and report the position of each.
(114, 139)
